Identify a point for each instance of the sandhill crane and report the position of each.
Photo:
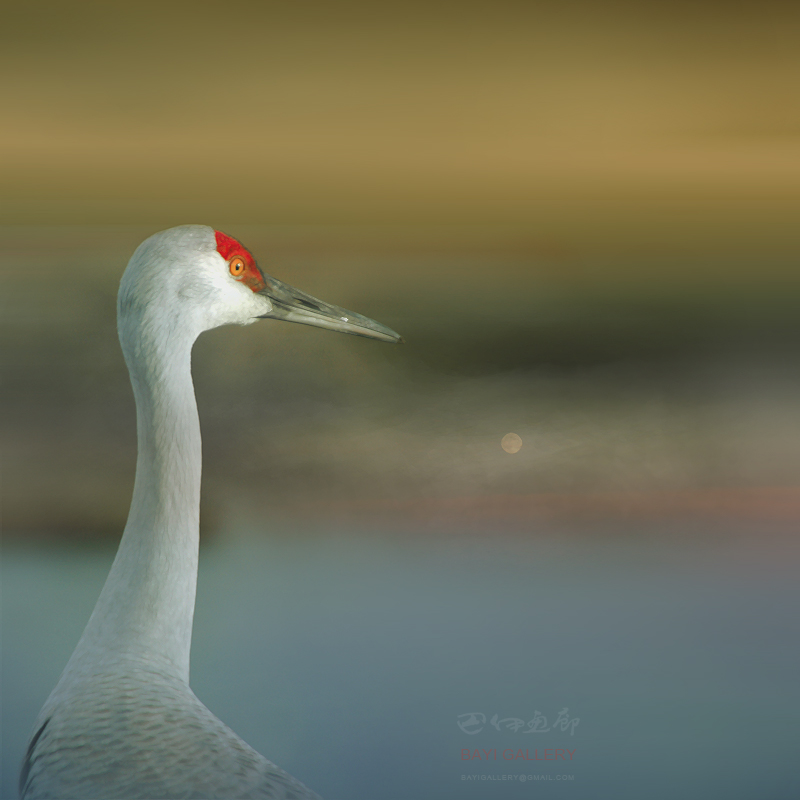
(122, 722)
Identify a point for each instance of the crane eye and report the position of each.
(236, 267)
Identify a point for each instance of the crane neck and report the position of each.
(144, 615)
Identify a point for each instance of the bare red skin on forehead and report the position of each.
(229, 248)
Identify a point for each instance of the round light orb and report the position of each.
(511, 443)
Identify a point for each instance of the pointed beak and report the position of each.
(292, 305)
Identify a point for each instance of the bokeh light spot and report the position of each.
(511, 443)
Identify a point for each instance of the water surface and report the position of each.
(349, 658)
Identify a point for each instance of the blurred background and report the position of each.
(582, 219)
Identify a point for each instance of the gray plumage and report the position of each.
(139, 733)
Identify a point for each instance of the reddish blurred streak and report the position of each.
(768, 503)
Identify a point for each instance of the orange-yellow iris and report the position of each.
(236, 267)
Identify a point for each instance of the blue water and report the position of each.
(349, 658)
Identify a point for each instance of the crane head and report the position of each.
(199, 278)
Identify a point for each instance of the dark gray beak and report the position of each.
(292, 305)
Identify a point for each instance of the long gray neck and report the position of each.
(145, 611)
